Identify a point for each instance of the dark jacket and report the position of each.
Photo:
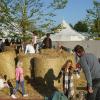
(47, 43)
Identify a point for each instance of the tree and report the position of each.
(6, 19)
(81, 27)
(93, 19)
(59, 4)
(28, 13)
(5, 15)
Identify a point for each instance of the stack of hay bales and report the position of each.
(53, 52)
(48, 68)
(48, 65)
(7, 64)
(33, 60)
(58, 53)
(45, 66)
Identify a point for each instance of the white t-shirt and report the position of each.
(1, 84)
(29, 49)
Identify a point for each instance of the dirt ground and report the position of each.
(37, 91)
(32, 93)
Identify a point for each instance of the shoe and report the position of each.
(13, 96)
(25, 95)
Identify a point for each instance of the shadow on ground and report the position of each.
(44, 86)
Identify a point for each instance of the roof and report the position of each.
(67, 34)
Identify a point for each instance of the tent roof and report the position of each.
(67, 34)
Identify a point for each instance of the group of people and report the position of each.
(16, 44)
(91, 68)
(30, 46)
(34, 47)
(88, 62)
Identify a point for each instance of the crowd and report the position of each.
(87, 61)
(29, 46)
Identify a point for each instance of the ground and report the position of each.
(37, 91)
(32, 93)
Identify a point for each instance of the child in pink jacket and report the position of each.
(19, 80)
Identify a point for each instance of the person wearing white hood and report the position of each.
(29, 48)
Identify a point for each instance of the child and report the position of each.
(29, 48)
(78, 70)
(3, 83)
(19, 80)
(67, 72)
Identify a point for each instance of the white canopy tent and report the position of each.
(67, 34)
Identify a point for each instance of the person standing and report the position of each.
(68, 79)
(19, 80)
(47, 42)
(91, 68)
(18, 45)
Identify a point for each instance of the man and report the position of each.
(91, 68)
(47, 42)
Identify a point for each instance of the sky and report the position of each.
(74, 11)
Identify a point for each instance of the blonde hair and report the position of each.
(19, 64)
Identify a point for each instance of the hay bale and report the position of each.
(50, 54)
(43, 64)
(48, 51)
(12, 54)
(58, 53)
(7, 64)
(53, 52)
(9, 48)
(48, 68)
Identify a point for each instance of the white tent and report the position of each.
(67, 34)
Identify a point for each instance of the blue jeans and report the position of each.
(96, 90)
(17, 87)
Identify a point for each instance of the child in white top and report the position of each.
(3, 83)
(29, 48)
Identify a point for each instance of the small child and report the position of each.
(3, 83)
(68, 85)
(19, 80)
(77, 70)
(29, 48)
